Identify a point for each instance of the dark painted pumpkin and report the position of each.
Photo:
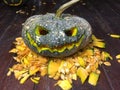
(15, 2)
(53, 36)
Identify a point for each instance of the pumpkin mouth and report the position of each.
(59, 49)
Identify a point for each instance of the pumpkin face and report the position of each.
(50, 36)
(15, 2)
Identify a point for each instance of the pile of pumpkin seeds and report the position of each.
(83, 65)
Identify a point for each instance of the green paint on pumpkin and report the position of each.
(56, 35)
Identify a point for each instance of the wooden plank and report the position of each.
(115, 5)
(10, 83)
(9, 31)
(82, 11)
(110, 21)
(10, 28)
(103, 17)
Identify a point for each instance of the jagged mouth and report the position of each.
(55, 49)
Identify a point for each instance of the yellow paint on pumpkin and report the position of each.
(60, 50)
(74, 31)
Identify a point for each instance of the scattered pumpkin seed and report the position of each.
(107, 63)
(118, 61)
(24, 79)
(83, 64)
(118, 56)
(115, 35)
(35, 79)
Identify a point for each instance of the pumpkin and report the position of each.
(15, 2)
(56, 35)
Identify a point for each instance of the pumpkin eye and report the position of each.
(71, 32)
(40, 30)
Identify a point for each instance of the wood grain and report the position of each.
(104, 17)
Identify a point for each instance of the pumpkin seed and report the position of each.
(35, 79)
(82, 64)
(107, 63)
(115, 35)
(118, 61)
(118, 56)
(24, 79)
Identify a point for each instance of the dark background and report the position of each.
(104, 17)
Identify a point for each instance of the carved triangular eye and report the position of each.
(40, 30)
(72, 32)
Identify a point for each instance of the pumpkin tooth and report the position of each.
(68, 46)
(78, 43)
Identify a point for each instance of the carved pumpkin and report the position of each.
(53, 36)
(15, 2)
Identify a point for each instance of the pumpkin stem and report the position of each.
(65, 6)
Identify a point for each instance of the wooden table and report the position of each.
(104, 17)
